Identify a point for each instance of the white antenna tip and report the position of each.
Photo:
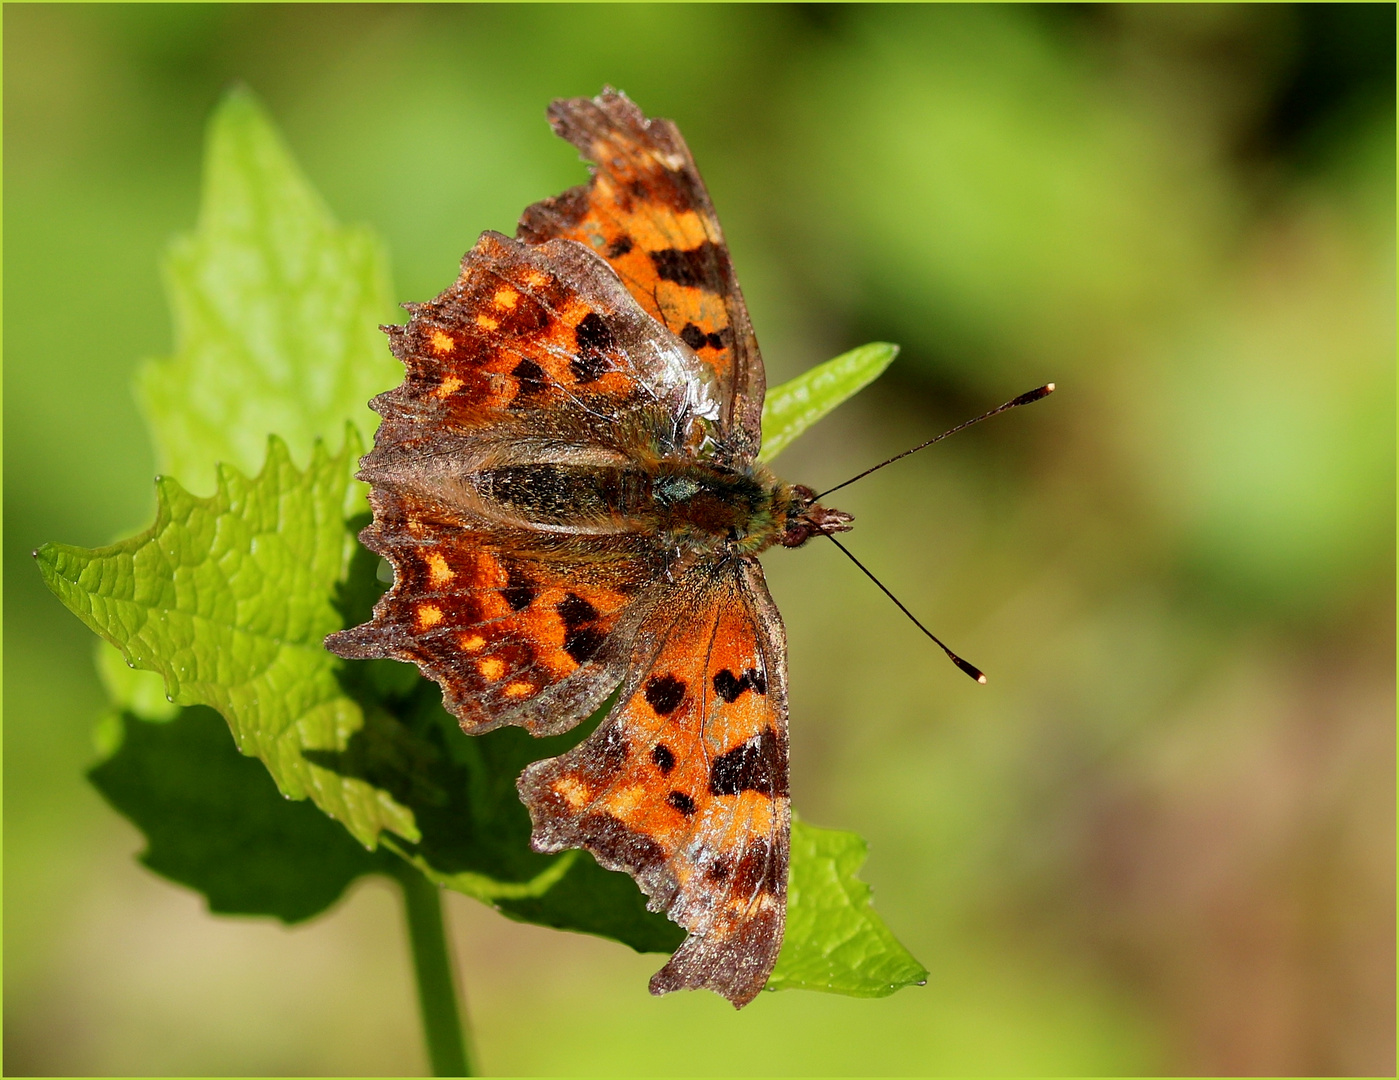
(1049, 388)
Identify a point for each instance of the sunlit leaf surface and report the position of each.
(835, 941)
(276, 310)
(794, 406)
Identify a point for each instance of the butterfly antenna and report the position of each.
(1024, 399)
(970, 669)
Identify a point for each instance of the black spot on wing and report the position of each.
(593, 333)
(697, 339)
(696, 267)
(594, 337)
(664, 694)
(582, 643)
(730, 686)
(663, 757)
(575, 611)
(681, 802)
(693, 336)
(530, 375)
(519, 591)
(758, 765)
(619, 247)
(580, 640)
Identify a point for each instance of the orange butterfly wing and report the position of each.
(684, 784)
(539, 642)
(647, 212)
(536, 358)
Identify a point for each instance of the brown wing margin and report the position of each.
(684, 785)
(646, 211)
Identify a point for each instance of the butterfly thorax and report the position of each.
(694, 505)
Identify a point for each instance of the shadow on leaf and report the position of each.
(215, 821)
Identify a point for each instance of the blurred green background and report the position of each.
(1160, 840)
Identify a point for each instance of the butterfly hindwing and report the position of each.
(514, 631)
(647, 212)
(684, 784)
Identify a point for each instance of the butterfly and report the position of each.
(567, 487)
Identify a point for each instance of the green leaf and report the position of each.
(275, 310)
(215, 821)
(230, 599)
(835, 941)
(794, 406)
(473, 830)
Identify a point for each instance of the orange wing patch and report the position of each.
(646, 211)
(511, 640)
(510, 335)
(684, 785)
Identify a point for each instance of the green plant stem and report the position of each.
(432, 965)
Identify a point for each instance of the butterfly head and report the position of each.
(807, 518)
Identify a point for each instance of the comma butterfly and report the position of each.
(567, 487)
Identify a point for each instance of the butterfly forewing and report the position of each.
(647, 212)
